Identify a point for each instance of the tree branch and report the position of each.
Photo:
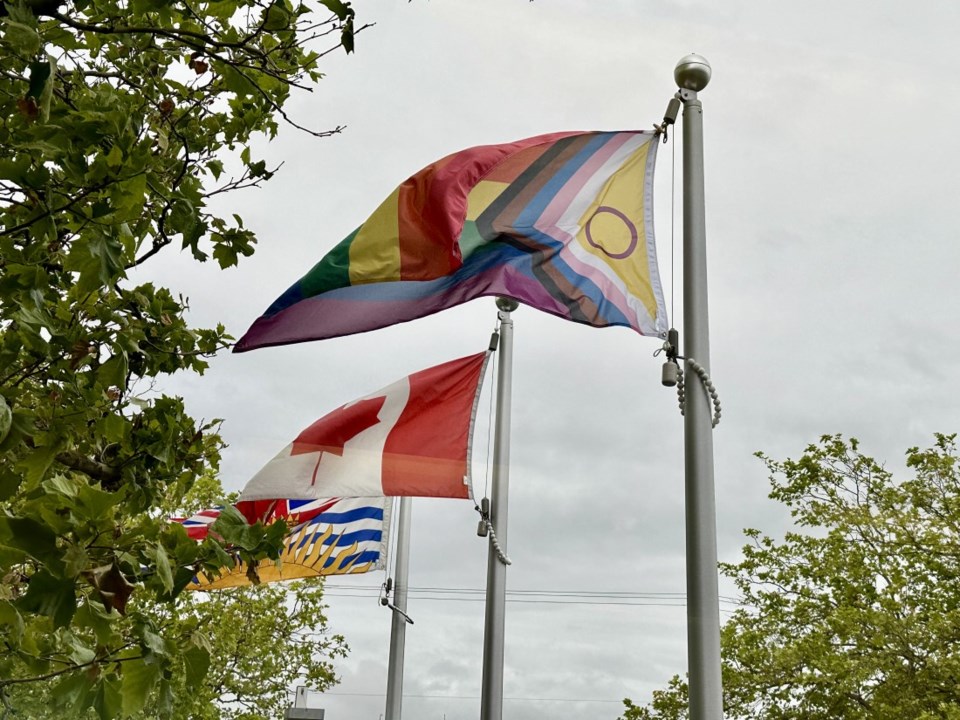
(108, 475)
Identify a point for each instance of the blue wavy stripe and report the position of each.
(344, 540)
(361, 513)
(361, 559)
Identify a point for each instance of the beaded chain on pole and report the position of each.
(673, 374)
(707, 383)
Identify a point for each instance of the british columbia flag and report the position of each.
(333, 536)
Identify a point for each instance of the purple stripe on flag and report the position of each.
(361, 308)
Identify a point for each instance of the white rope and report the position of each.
(707, 383)
(485, 519)
(673, 220)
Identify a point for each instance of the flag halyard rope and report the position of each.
(483, 509)
(486, 527)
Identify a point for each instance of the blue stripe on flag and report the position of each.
(535, 208)
(345, 540)
(361, 513)
(295, 505)
(360, 558)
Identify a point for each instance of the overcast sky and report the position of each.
(831, 184)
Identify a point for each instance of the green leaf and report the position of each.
(165, 699)
(94, 503)
(235, 530)
(50, 596)
(182, 216)
(6, 418)
(26, 534)
(164, 569)
(225, 255)
(10, 481)
(339, 8)
(39, 74)
(36, 463)
(46, 97)
(196, 660)
(109, 699)
(80, 653)
(114, 427)
(153, 642)
(75, 560)
(346, 36)
(22, 424)
(94, 617)
(278, 16)
(115, 157)
(139, 679)
(73, 693)
(11, 622)
(216, 168)
(108, 250)
(61, 485)
(113, 373)
(21, 37)
(109, 156)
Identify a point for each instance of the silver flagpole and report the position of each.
(398, 626)
(491, 693)
(703, 604)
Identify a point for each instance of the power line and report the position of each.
(533, 602)
(469, 697)
(550, 597)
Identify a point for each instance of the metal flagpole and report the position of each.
(398, 626)
(703, 604)
(491, 694)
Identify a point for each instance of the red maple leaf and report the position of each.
(331, 432)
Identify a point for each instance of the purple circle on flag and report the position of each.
(626, 221)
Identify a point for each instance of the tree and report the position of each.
(268, 638)
(248, 647)
(856, 613)
(120, 118)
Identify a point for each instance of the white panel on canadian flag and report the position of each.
(410, 438)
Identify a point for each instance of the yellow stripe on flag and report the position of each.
(482, 195)
(375, 251)
(610, 235)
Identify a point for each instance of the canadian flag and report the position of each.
(410, 438)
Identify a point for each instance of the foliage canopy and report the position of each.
(856, 613)
(119, 119)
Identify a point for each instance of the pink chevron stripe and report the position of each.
(574, 185)
(563, 200)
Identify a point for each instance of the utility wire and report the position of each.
(468, 697)
(441, 593)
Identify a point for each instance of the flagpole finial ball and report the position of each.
(507, 304)
(692, 72)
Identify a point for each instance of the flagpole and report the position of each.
(398, 625)
(703, 603)
(491, 694)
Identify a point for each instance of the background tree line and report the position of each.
(855, 614)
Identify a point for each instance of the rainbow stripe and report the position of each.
(560, 222)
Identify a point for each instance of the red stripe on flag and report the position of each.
(432, 204)
(266, 511)
(425, 454)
